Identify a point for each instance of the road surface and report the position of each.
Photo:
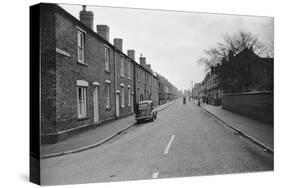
(183, 141)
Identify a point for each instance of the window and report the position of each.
(107, 58)
(82, 101)
(122, 96)
(129, 70)
(138, 91)
(107, 88)
(122, 66)
(82, 87)
(143, 106)
(129, 96)
(81, 45)
(137, 71)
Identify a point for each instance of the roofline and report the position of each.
(60, 9)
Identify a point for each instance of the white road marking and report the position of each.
(169, 144)
(155, 175)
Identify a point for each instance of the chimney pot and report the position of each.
(86, 17)
(84, 7)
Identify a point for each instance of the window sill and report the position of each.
(107, 71)
(122, 106)
(82, 63)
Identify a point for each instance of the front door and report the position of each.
(96, 104)
(117, 105)
(132, 103)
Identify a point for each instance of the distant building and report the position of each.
(196, 90)
(146, 82)
(186, 93)
(242, 72)
(167, 91)
(211, 90)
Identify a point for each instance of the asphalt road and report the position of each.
(183, 141)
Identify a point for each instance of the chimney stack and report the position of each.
(131, 54)
(103, 31)
(148, 67)
(87, 17)
(118, 43)
(142, 61)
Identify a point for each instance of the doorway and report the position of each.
(96, 104)
(117, 105)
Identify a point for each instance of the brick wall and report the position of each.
(126, 82)
(140, 85)
(258, 105)
(60, 71)
(69, 71)
(48, 69)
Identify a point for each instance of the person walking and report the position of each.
(201, 101)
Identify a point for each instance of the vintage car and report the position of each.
(146, 111)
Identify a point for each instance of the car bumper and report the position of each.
(143, 117)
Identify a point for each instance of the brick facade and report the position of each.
(48, 70)
(73, 66)
(257, 105)
(167, 91)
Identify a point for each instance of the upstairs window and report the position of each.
(137, 74)
(129, 70)
(122, 67)
(81, 45)
(107, 58)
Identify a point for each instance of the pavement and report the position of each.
(183, 141)
(93, 137)
(259, 132)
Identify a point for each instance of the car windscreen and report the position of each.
(143, 106)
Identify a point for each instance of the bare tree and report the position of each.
(270, 46)
(212, 58)
(231, 42)
(241, 40)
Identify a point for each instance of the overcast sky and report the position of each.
(172, 42)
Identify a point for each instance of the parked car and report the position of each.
(146, 111)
